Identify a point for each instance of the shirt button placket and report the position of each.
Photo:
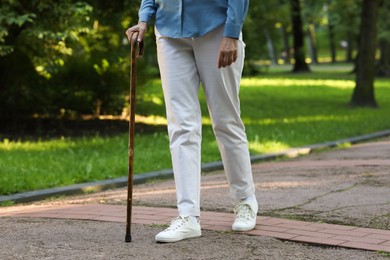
(180, 18)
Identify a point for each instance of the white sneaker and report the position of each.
(246, 213)
(180, 228)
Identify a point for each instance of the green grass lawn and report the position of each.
(280, 111)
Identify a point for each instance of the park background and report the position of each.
(315, 71)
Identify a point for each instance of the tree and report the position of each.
(331, 29)
(299, 50)
(286, 50)
(35, 38)
(343, 21)
(313, 13)
(383, 67)
(363, 94)
(10, 18)
(65, 55)
(259, 32)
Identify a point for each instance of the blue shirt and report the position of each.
(192, 18)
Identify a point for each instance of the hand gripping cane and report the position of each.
(136, 53)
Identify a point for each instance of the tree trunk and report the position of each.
(331, 26)
(356, 59)
(299, 50)
(332, 43)
(383, 69)
(363, 94)
(271, 48)
(313, 42)
(350, 45)
(286, 54)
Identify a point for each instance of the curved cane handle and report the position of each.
(136, 45)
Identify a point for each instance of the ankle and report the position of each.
(193, 219)
(250, 199)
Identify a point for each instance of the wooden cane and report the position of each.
(136, 53)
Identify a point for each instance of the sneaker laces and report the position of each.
(244, 211)
(177, 223)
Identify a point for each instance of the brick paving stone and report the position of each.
(344, 232)
(109, 218)
(307, 228)
(272, 221)
(279, 235)
(309, 233)
(380, 236)
(168, 214)
(152, 217)
(332, 226)
(216, 215)
(295, 223)
(72, 216)
(387, 243)
(262, 218)
(373, 247)
(214, 222)
(318, 240)
(219, 228)
(271, 228)
(299, 231)
(374, 231)
(150, 222)
(360, 239)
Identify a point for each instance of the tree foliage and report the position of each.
(70, 57)
(64, 56)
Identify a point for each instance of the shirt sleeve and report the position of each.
(236, 14)
(146, 11)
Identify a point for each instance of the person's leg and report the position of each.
(221, 88)
(180, 82)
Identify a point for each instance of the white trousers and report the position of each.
(184, 64)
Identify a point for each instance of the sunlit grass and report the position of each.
(298, 119)
(281, 82)
(151, 120)
(280, 111)
(260, 147)
(43, 164)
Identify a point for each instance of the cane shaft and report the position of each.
(136, 52)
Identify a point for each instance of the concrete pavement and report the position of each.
(338, 198)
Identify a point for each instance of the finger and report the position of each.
(235, 56)
(230, 58)
(229, 61)
(133, 29)
(220, 60)
(225, 61)
(129, 32)
(141, 35)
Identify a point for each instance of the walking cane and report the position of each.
(136, 53)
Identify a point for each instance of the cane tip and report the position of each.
(128, 238)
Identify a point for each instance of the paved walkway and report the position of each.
(348, 186)
(299, 231)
